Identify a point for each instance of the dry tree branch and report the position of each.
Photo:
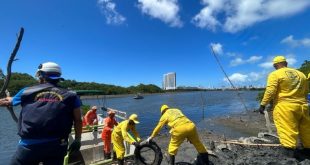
(9, 72)
(9, 65)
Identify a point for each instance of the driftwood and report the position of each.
(9, 72)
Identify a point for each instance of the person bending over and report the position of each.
(181, 128)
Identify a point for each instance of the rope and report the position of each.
(236, 89)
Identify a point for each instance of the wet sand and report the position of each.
(248, 124)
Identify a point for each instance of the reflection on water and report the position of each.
(214, 103)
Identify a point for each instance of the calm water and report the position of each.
(215, 103)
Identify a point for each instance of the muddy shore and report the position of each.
(248, 124)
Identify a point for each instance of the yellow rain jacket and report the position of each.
(288, 89)
(181, 128)
(119, 134)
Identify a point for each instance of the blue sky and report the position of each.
(137, 41)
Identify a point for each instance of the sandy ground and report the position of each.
(248, 124)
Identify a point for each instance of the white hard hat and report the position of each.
(51, 69)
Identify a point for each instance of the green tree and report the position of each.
(21, 80)
(305, 67)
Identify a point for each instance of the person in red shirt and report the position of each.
(109, 123)
(91, 117)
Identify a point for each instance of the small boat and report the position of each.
(138, 96)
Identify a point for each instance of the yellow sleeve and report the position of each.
(163, 120)
(135, 133)
(124, 133)
(271, 89)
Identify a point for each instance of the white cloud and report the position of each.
(246, 78)
(266, 65)
(254, 76)
(237, 77)
(108, 8)
(254, 59)
(290, 58)
(289, 40)
(240, 14)
(239, 61)
(207, 16)
(217, 48)
(165, 10)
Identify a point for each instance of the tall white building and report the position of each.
(170, 81)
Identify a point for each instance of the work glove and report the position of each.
(149, 139)
(75, 145)
(261, 109)
(136, 144)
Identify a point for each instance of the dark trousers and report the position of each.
(51, 153)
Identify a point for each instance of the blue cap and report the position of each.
(54, 76)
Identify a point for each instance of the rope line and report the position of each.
(233, 86)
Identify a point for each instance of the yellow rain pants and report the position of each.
(120, 134)
(292, 120)
(182, 132)
(288, 89)
(181, 128)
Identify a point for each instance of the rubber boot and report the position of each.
(306, 152)
(202, 159)
(114, 156)
(288, 152)
(303, 154)
(171, 159)
(205, 158)
(104, 155)
(108, 155)
(120, 161)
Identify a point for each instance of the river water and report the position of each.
(194, 105)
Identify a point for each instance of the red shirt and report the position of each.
(107, 129)
(90, 117)
(109, 123)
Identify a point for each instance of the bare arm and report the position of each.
(77, 118)
(6, 101)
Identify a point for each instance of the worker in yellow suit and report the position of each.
(181, 128)
(288, 89)
(120, 133)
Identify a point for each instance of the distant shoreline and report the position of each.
(147, 94)
(127, 95)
